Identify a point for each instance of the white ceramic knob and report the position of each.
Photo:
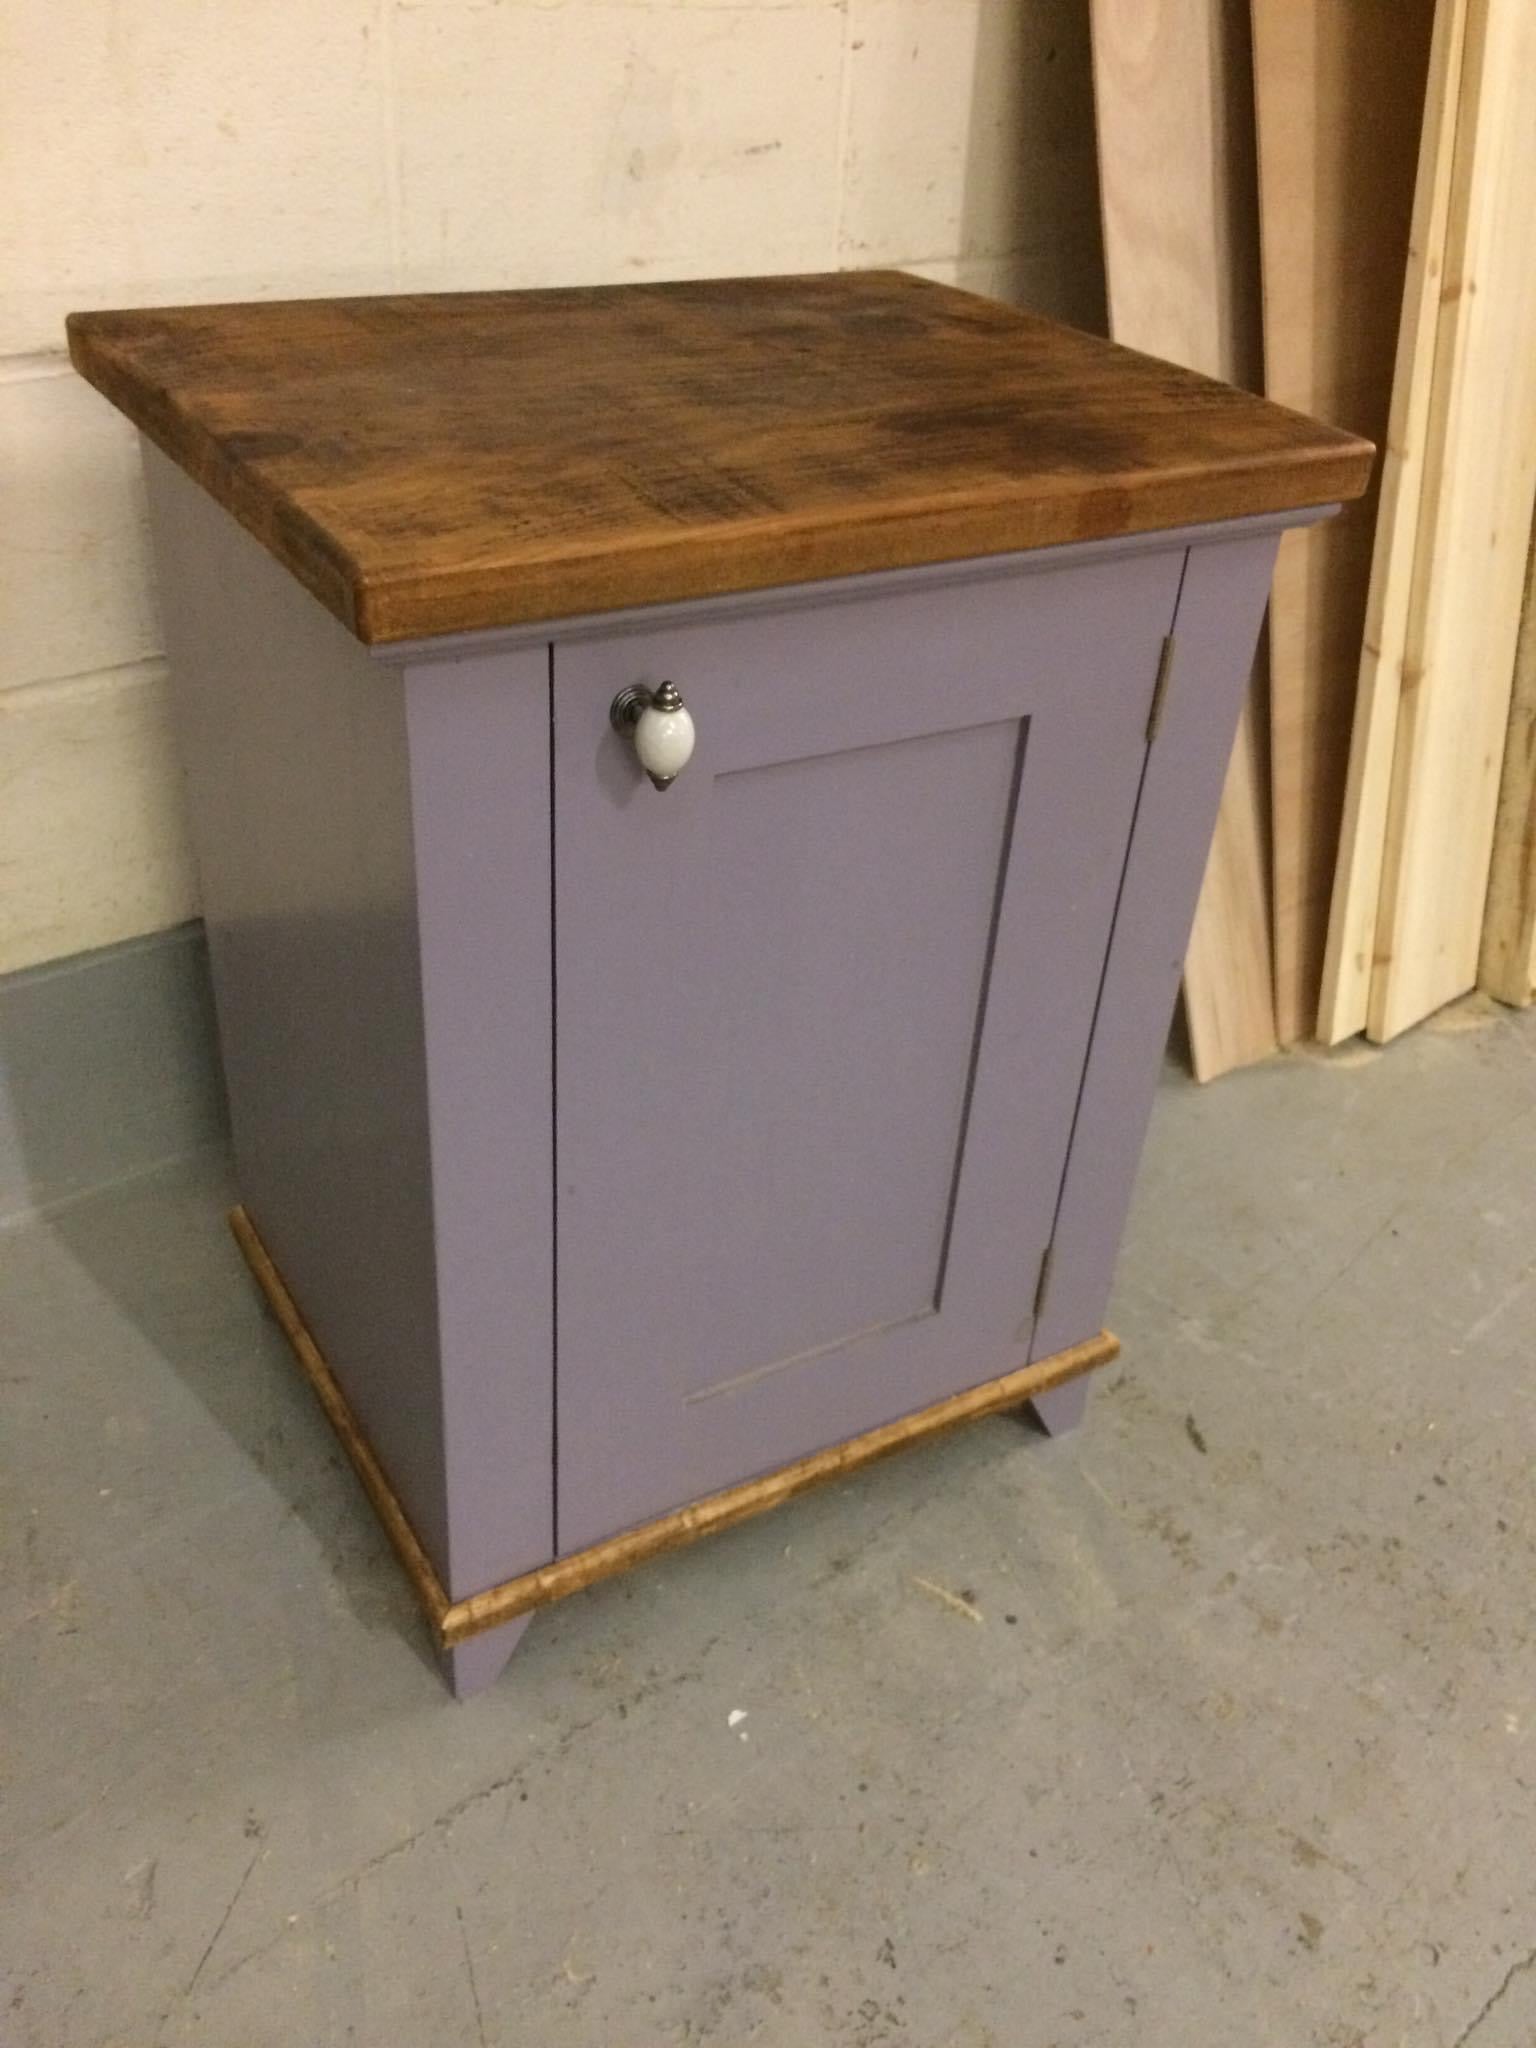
(659, 724)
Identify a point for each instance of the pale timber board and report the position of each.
(1356, 897)
(1508, 965)
(1339, 95)
(1176, 181)
(1469, 577)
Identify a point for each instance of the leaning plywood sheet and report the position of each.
(1469, 569)
(1340, 101)
(1362, 833)
(1508, 966)
(1177, 187)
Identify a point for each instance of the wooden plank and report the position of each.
(441, 464)
(1469, 571)
(1508, 965)
(1340, 100)
(1229, 1001)
(1351, 942)
(338, 1413)
(458, 1621)
(1176, 182)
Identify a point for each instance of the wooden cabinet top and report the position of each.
(437, 464)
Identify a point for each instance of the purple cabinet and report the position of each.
(628, 1140)
(621, 1159)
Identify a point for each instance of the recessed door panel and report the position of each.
(821, 1012)
(840, 1053)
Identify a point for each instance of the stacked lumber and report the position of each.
(1432, 725)
(1373, 164)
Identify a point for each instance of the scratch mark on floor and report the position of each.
(469, 1971)
(1516, 1969)
(202, 1962)
(1107, 1497)
(1490, 1316)
(439, 1823)
(956, 1602)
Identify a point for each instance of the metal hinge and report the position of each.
(1160, 688)
(1043, 1284)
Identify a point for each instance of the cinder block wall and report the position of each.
(175, 150)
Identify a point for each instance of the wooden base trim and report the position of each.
(457, 1621)
(756, 1496)
(338, 1412)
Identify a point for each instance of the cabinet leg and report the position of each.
(470, 1667)
(1062, 1408)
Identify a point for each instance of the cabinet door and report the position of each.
(822, 1009)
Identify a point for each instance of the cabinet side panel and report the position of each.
(294, 747)
(1220, 607)
(479, 731)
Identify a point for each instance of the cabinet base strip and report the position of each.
(755, 1496)
(456, 1621)
(338, 1412)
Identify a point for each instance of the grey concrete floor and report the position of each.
(1235, 1742)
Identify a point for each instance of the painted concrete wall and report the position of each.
(175, 150)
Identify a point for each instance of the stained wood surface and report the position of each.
(1469, 572)
(1356, 895)
(458, 1621)
(1508, 965)
(1340, 102)
(1176, 180)
(437, 464)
